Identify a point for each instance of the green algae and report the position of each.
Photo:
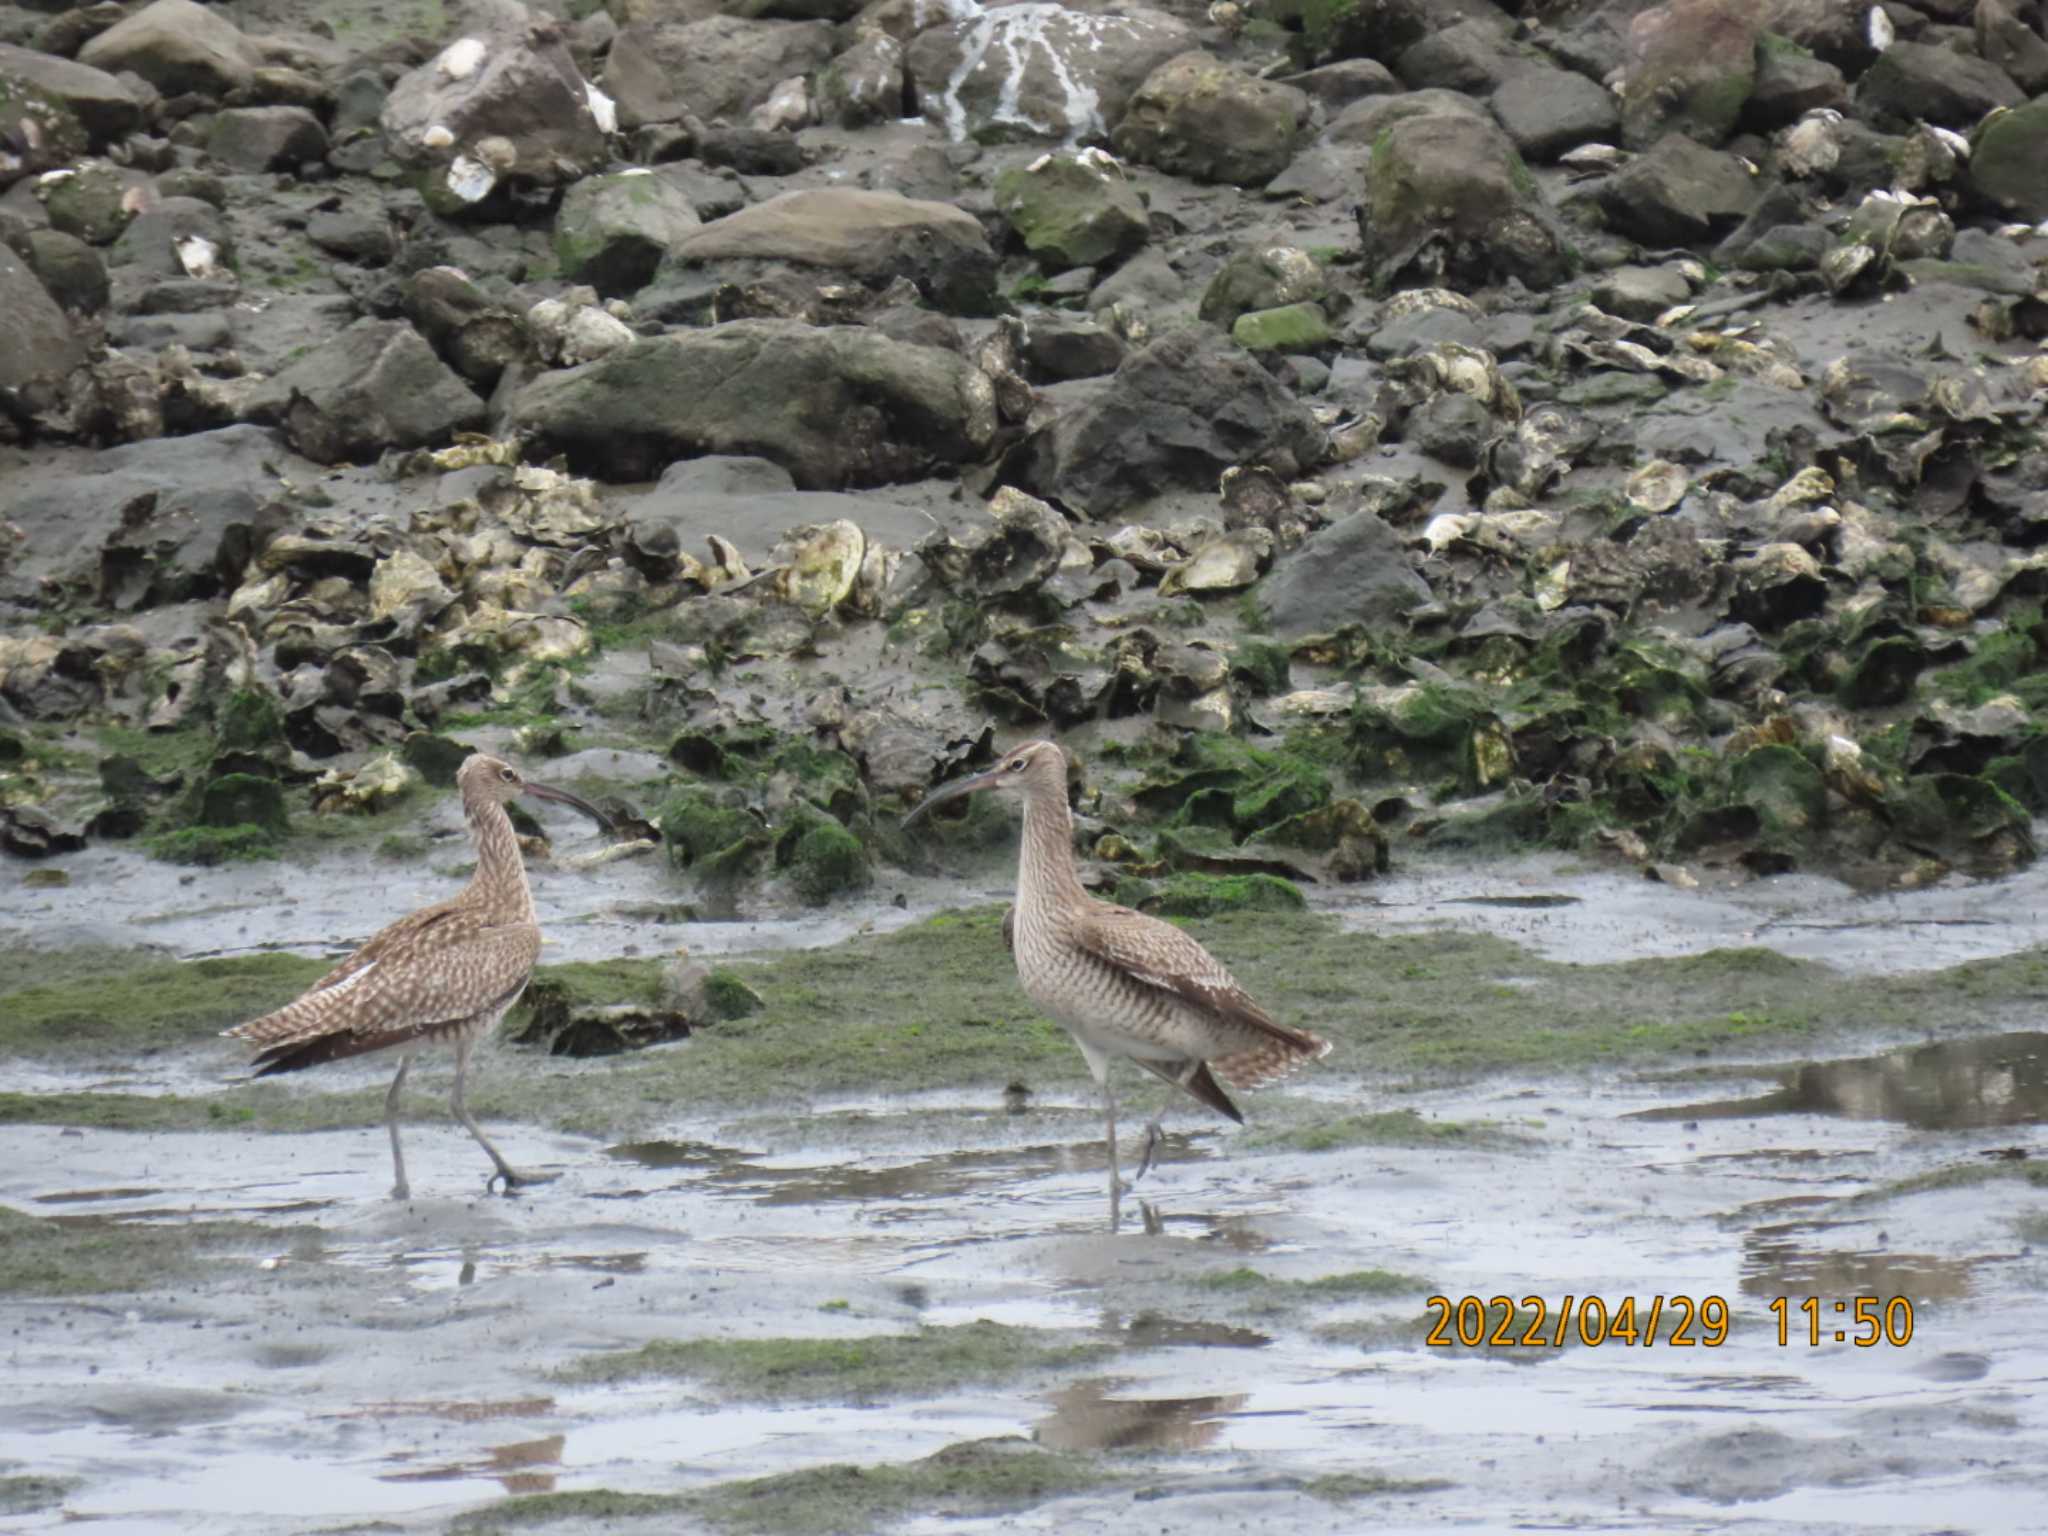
(241, 843)
(881, 1366)
(26, 1495)
(103, 1001)
(1389, 1128)
(828, 861)
(1198, 895)
(1348, 1487)
(976, 1477)
(591, 1504)
(46, 1256)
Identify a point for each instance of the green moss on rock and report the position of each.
(828, 861)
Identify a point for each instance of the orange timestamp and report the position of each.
(1498, 1322)
(1865, 1321)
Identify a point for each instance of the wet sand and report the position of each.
(337, 1358)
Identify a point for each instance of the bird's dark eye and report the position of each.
(508, 775)
(1016, 765)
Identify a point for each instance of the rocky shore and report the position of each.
(1353, 429)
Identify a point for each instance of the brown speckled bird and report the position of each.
(447, 973)
(1124, 985)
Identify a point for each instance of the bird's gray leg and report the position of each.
(512, 1177)
(1155, 1131)
(1116, 1192)
(399, 1190)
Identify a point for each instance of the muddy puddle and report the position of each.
(682, 1311)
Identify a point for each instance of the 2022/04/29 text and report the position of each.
(1675, 1321)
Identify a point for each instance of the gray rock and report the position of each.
(1790, 82)
(69, 269)
(1039, 71)
(753, 503)
(1914, 82)
(1335, 86)
(505, 98)
(1786, 248)
(38, 348)
(1057, 348)
(178, 47)
(1355, 571)
(720, 67)
(1470, 56)
(377, 385)
(1548, 111)
(837, 406)
(871, 237)
(362, 235)
(2009, 43)
(473, 333)
(1450, 193)
(1072, 210)
(2007, 166)
(1364, 121)
(1196, 116)
(1264, 275)
(1694, 67)
(1677, 191)
(1641, 293)
(753, 151)
(88, 201)
(105, 107)
(864, 84)
(43, 133)
(150, 242)
(1387, 29)
(1453, 427)
(1173, 417)
(612, 231)
(256, 139)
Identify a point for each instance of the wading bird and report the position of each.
(1124, 985)
(445, 974)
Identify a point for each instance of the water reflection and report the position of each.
(1955, 1085)
(1772, 1269)
(518, 1467)
(1084, 1418)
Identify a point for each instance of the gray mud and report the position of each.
(325, 1357)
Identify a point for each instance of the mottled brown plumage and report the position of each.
(445, 974)
(1123, 984)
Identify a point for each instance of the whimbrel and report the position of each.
(1124, 985)
(446, 973)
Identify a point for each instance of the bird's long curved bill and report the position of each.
(563, 797)
(953, 791)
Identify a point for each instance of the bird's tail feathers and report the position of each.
(1271, 1059)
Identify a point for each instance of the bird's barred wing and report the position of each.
(381, 943)
(1158, 955)
(408, 990)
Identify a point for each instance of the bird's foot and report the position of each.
(1155, 1224)
(1153, 1137)
(401, 1191)
(515, 1180)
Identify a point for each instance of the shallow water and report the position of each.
(354, 1359)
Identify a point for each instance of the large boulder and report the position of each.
(105, 107)
(871, 237)
(1356, 571)
(257, 139)
(1073, 210)
(1914, 82)
(719, 67)
(837, 406)
(505, 102)
(178, 47)
(2008, 42)
(1449, 191)
(612, 231)
(2007, 165)
(38, 348)
(1547, 111)
(1173, 417)
(1692, 67)
(1040, 71)
(1676, 192)
(377, 385)
(864, 84)
(1196, 116)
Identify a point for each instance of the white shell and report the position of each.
(1877, 27)
(460, 58)
(470, 179)
(199, 257)
(437, 137)
(602, 108)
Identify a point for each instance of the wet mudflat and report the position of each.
(710, 1321)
